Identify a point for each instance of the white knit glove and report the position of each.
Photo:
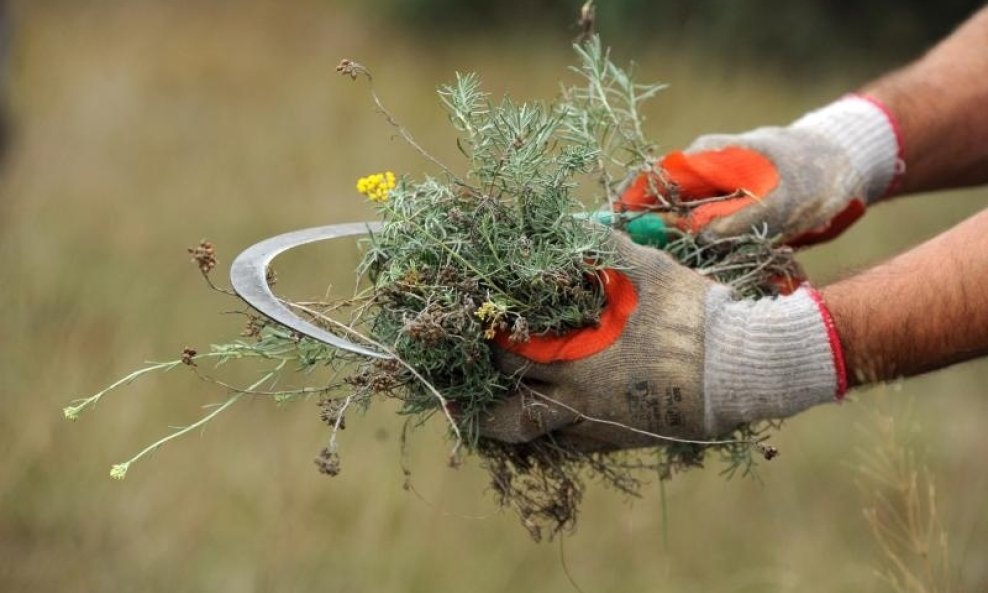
(806, 182)
(675, 355)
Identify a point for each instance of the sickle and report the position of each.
(248, 275)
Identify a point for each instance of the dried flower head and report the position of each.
(204, 255)
(350, 68)
(328, 462)
(331, 411)
(768, 451)
(189, 357)
(254, 325)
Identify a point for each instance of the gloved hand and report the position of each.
(674, 355)
(807, 182)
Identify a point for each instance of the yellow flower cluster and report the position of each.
(377, 186)
(491, 313)
(487, 311)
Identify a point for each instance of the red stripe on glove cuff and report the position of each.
(900, 168)
(840, 366)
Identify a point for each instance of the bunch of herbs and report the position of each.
(500, 248)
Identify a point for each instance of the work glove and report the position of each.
(674, 355)
(806, 182)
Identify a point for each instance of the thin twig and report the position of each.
(249, 391)
(588, 418)
(338, 423)
(432, 389)
(393, 121)
(209, 282)
(566, 570)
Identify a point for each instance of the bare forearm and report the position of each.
(923, 310)
(941, 104)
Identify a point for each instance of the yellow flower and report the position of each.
(71, 412)
(377, 186)
(119, 471)
(491, 314)
(487, 311)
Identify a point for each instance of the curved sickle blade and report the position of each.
(248, 274)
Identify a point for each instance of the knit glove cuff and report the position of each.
(768, 358)
(868, 133)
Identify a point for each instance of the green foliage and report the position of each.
(504, 252)
(452, 266)
(274, 345)
(458, 261)
(604, 111)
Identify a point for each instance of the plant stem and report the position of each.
(443, 404)
(119, 470)
(632, 428)
(72, 412)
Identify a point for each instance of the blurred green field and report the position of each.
(145, 126)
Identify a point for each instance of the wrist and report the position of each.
(768, 358)
(868, 134)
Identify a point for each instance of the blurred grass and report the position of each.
(145, 126)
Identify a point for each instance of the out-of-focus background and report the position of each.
(135, 128)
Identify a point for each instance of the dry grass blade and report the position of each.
(901, 507)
